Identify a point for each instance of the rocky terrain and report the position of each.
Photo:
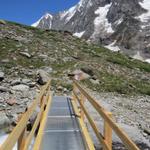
(30, 56)
(120, 25)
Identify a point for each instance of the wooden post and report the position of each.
(108, 132)
(82, 101)
(21, 140)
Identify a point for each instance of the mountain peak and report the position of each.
(106, 22)
(44, 21)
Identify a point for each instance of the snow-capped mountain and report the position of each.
(117, 24)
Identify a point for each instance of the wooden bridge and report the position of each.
(60, 124)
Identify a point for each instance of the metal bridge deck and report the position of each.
(62, 131)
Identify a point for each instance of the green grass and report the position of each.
(126, 78)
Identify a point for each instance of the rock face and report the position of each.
(118, 24)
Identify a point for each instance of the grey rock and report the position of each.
(5, 61)
(4, 89)
(20, 87)
(2, 75)
(43, 77)
(4, 121)
(26, 81)
(25, 54)
(47, 69)
(16, 82)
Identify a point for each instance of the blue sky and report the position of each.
(29, 11)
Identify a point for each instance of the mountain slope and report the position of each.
(24, 50)
(121, 23)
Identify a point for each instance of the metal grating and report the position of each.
(59, 104)
(63, 141)
(62, 131)
(61, 123)
(56, 111)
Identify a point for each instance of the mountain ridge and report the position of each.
(111, 23)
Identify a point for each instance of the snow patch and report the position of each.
(102, 20)
(147, 60)
(68, 14)
(146, 5)
(46, 16)
(79, 34)
(138, 56)
(113, 47)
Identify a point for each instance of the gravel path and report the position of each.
(132, 113)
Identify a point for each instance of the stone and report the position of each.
(43, 77)
(4, 89)
(4, 120)
(26, 81)
(11, 102)
(2, 22)
(94, 81)
(1, 75)
(15, 82)
(25, 54)
(80, 75)
(20, 87)
(47, 69)
(147, 131)
(60, 88)
(5, 61)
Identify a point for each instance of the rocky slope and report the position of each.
(118, 24)
(24, 51)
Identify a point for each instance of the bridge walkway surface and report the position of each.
(62, 131)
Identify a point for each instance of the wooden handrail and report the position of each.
(129, 144)
(21, 126)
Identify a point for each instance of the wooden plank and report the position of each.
(84, 130)
(38, 140)
(93, 125)
(108, 132)
(129, 144)
(21, 140)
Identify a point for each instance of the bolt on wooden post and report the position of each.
(108, 132)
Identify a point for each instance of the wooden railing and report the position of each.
(105, 139)
(20, 135)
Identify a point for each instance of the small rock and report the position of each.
(43, 77)
(80, 75)
(25, 54)
(147, 131)
(5, 61)
(2, 22)
(60, 88)
(4, 89)
(26, 81)
(20, 87)
(4, 121)
(94, 81)
(11, 102)
(1, 75)
(15, 82)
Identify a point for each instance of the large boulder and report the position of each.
(42, 77)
